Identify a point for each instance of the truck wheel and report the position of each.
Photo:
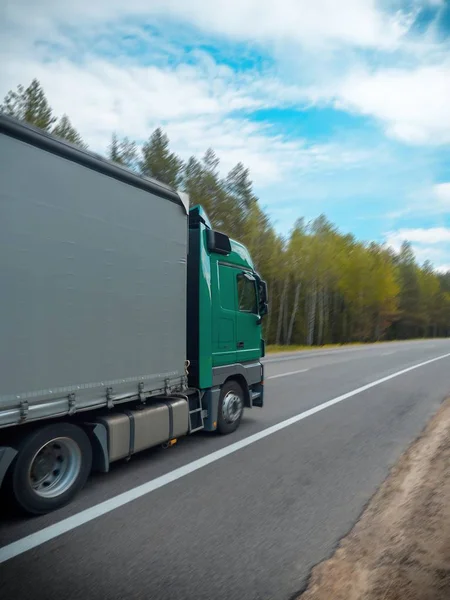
(52, 465)
(231, 407)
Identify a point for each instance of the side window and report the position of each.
(246, 294)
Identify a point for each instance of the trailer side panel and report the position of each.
(93, 279)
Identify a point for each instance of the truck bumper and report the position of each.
(258, 395)
(257, 391)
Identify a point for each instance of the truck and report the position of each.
(126, 320)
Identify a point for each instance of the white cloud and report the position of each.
(194, 105)
(413, 104)
(425, 200)
(432, 235)
(353, 22)
(441, 191)
(443, 268)
(431, 244)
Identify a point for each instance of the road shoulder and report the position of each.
(400, 548)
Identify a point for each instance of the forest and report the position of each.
(325, 286)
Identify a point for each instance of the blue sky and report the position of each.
(340, 108)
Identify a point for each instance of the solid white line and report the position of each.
(286, 374)
(52, 531)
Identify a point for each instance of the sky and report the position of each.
(337, 107)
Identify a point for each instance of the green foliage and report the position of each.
(124, 152)
(159, 162)
(324, 286)
(65, 130)
(29, 104)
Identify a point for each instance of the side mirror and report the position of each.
(263, 291)
(263, 300)
(218, 242)
(263, 309)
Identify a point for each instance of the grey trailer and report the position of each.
(93, 277)
(93, 262)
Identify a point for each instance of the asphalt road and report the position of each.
(251, 523)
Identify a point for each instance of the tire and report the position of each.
(52, 465)
(231, 407)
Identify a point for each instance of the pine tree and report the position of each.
(240, 186)
(30, 105)
(193, 184)
(113, 149)
(159, 162)
(65, 130)
(215, 197)
(123, 152)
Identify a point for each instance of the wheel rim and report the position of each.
(55, 467)
(231, 407)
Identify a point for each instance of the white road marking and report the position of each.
(85, 516)
(387, 353)
(289, 373)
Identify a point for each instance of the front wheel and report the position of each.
(231, 407)
(52, 465)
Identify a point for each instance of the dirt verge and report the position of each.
(400, 548)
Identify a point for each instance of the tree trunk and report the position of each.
(326, 310)
(335, 321)
(268, 323)
(321, 318)
(280, 314)
(344, 326)
(312, 316)
(285, 317)
(293, 314)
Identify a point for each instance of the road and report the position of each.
(244, 516)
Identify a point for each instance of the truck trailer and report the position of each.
(126, 320)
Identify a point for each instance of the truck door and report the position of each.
(248, 330)
(224, 308)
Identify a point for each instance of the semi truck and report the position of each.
(126, 320)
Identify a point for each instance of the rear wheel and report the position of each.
(52, 465)
(231, 407)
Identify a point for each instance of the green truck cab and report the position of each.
(226, 300)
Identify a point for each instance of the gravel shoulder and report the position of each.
(400, 547)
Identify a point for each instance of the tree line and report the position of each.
(324, 286)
